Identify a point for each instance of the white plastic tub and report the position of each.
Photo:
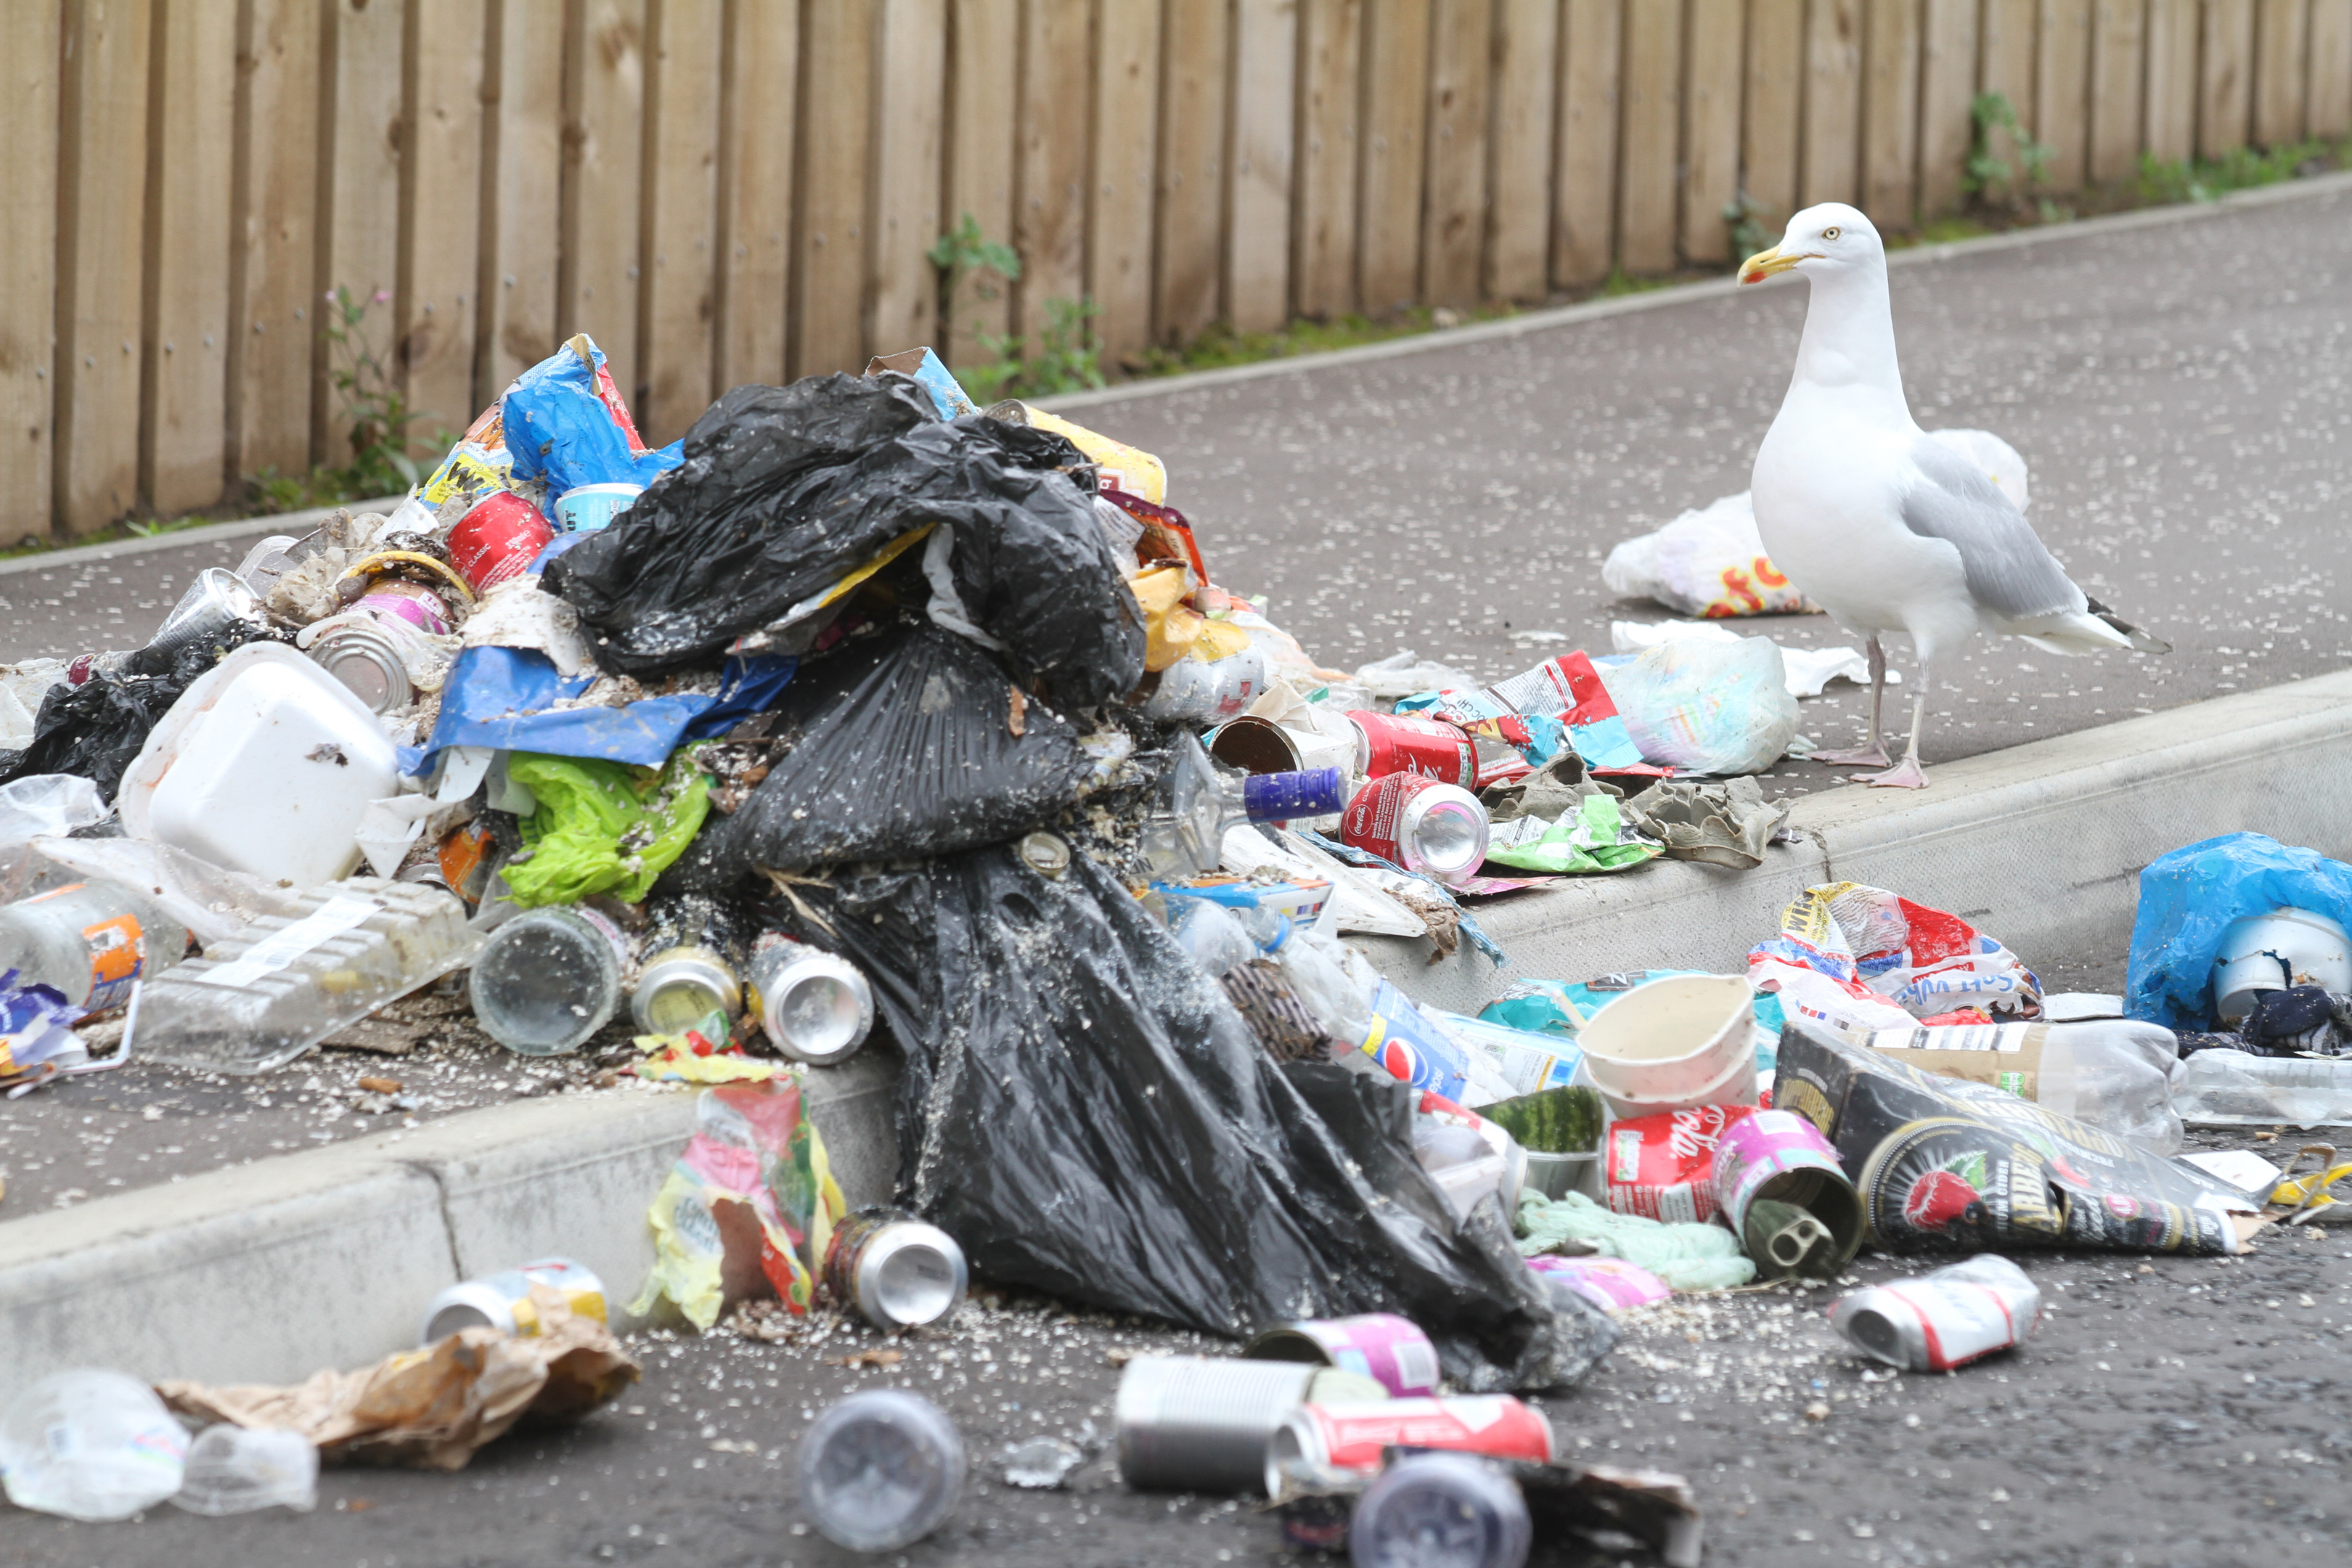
(265, 766)
(1673, 1044)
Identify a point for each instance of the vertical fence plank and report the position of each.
(2280, 67)
(1711, 128)
(1395, 121)
(1050, 225)
(2171, 113)
(1773, 114)
(1890, 114)
(1519, 185)
(102, 213)
(29, 55)
(2331, 68)
(2225, 77)
(270, 318)
(361, 246)
(982, 56)
(1652, 114)
(910, 125)
(1947, 85)
(514, 320)
(605, 96)
(1331, 87)
(1830, 163)
(2119, 65)
(2061, 83)
(1453, 216)
(194, 125)
(678, 262)
(1584, 204)
(440, 214)
(835, 149)
(2010, 32)
(1193, 79)
(759, 92)
(1257, 225)
(1126, 141)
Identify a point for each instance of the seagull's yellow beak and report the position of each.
(1765, 263)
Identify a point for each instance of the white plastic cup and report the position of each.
(1673, 1044)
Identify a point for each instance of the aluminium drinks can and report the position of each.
(1945, 1317)
(497, 539)
(1408, 744)
(896, 1269)
(1419, 823)
(503, 1302)
(815, 1006)
(1326, 1441)
(1390, 1350)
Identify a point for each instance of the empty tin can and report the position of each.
(1202, 1424)
(815, 1006)
(680, 987)
(1779, 1183)
(1945, 1317)
(1408, 744)
(895, 1269)
(366, 659)
(1390, 1350)
(503, 1302)
(1417, 823)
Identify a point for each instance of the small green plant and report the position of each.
(962, 254)
(374, 407)
(1749, 234)
(1990, 177)
(2206, 179)
(1066, 357)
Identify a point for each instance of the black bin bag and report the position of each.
(784, 492)
(1086, 1114)
(898, 746)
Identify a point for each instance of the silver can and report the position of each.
(1202, 1423)
(679, 987)
(503, 1302)
(1944, 1318)
(816, 1007)
(897, 1271)
(365, 658)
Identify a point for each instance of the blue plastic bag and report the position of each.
(564, 422)
(2187, 899)
(504, 698)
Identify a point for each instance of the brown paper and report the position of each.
(433, 1408)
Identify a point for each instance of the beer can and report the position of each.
(1408, 744)
(1390, 1350)
(497, 539)
(366, 659)
(1417, 823)
(1208, 691)
(1779, 1183)
(814, 1006)
(1318, 1440)
(1945, 1318)
(1201, 1422)
(503, 1302)
(680, 987)
(894, 1268)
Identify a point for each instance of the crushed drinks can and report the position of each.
(814, 1006)
(1321, 1442)
(1945, 1318)
(1408, 744)
(1201, 1422)
(1779, 1183)
(1390, 1350)
(503, 1302)
(497, 539)
(1208, 691)
(1609, 1283)
(896, 1269)
(1419, 823)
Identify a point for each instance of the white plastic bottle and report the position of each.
(547, 979)
(91, 940)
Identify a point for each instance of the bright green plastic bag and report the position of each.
(603, 827)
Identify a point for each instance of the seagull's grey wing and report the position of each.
(2010, 571)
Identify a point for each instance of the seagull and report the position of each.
(1882, 525)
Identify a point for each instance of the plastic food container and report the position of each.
(1673, 1044)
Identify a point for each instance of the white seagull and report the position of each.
(1886, 528)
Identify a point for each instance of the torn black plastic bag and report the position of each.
(896, 747)
(97, 730)
(1085, 1114)
(786, 492)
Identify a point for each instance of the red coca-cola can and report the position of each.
(1325, 1440)
(1438, 829)
(497, 539)
(1408, 744)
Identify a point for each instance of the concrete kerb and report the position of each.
(294, 522)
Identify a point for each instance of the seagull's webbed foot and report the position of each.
(1905, 774)
(1861, 757)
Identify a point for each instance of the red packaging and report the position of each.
(1352, 1436)
(1663, 1167)
(497, 539)
(1408, 744)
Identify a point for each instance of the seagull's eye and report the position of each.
(1829, 234)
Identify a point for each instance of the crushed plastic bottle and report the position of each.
(233, 1470)
(880, 1470)
(1041, 1463)
(91, 941)
(282, 983)
(2238, 1089)
(1440, 1510)
(90, 1445)
(547, 979)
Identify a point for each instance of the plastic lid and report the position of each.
(880, 1470)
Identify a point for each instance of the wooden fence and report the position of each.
(724, 190)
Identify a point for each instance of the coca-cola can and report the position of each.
(1945, 1317)
(1408, 744)
(497, 539)
(1437, 830)
(1326, 1441)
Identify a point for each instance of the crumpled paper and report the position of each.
(1728, 824)
(432, 1409)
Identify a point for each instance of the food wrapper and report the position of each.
(1122, 468)
(433, 1408)
(1857, 959)
(748, 1209)
(1173, 629)
(1570, 690)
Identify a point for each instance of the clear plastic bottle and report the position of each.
(233, 1470)
(1440, 1510)
(91, 1445)
(547, 979)
(91, 940)
(880, 1470)
(1210, 934)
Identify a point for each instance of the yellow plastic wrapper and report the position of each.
(469, 469)
(748, 1208)
(1173, 629)
(1124, 468)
